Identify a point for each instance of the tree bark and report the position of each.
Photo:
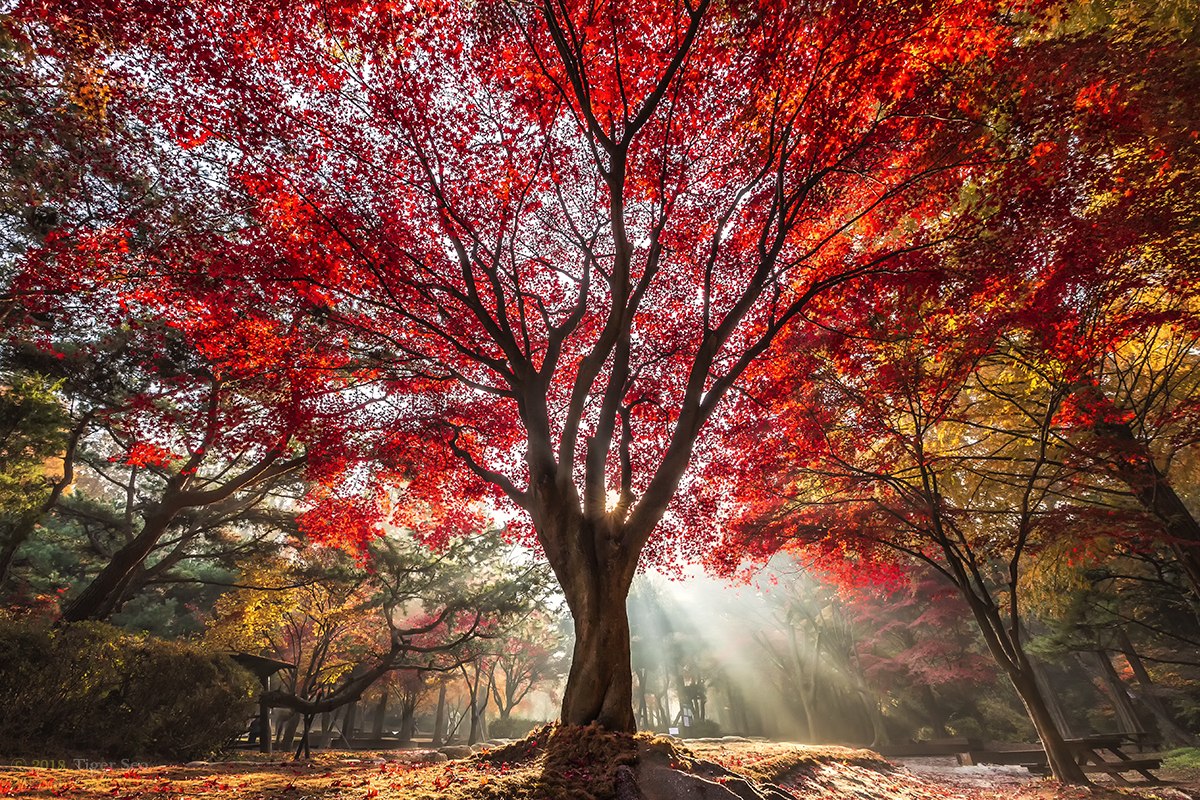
(600, 683)
(439, 719)
(1134, 465)
(380, 713)
(1005, 646)
(1171, 730)
(99, 597)
(1062, 761)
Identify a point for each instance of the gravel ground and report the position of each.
(945, 769)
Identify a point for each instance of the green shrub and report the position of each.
(513, 727)
(95, 689)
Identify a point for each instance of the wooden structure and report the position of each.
(263, 668)
(1102, 754)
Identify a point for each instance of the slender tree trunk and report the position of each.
(664, 701)
(439, 719)
(1061, 758)
(349, 721)
(1004, 645)
(642, 715)
(473, 689)
(326, 731)
(1155, 493)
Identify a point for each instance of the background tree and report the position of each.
(346, 627)
(531, 655)
(33, 435)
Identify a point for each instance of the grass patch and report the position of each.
(1184, 758)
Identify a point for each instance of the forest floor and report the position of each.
(529, 770)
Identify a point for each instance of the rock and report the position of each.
(663, 783)
(455, 751)
(626, 784)
(656, 779)
(197, 764)
(418, 756)
(734, 739)
(478, 747)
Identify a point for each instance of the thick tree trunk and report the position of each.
(1135, 466)
(100, 596)
(600, 683)
(380, 713)
(408, 719)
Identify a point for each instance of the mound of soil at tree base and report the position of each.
(588, 763)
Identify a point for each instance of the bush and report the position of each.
(513, 727)
(701, 729)
(90, 688)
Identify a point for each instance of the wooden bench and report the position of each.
(1003, 753)
(1088, 751)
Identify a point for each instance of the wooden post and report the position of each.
(266, 741)
(1115, 688)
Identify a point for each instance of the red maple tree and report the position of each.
(561, 233)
